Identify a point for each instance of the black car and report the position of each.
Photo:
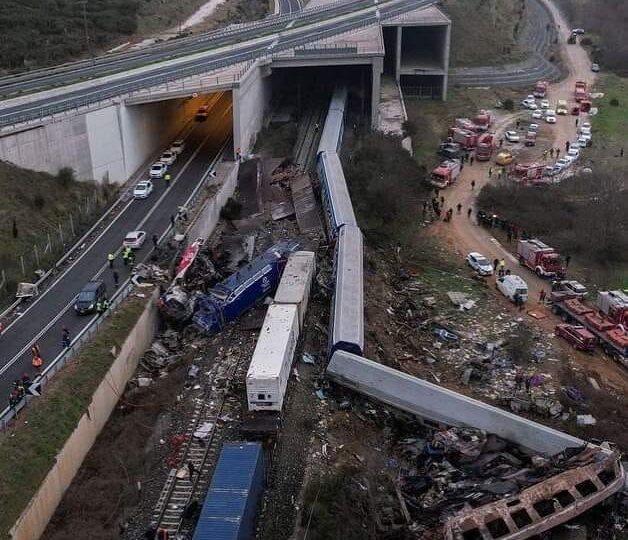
(93, 292)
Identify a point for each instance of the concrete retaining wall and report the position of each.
(42, 506)
(250, 102)
(209, 214)
(439, 404)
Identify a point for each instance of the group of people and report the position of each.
(17, 393)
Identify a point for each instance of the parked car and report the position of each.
(512, 285)
(512, 136)
(545, 104)
(585, 125)
(578, 336)
(202, 114)
(504, 158)
(595, 68)
(550, 119)
(548, 170)
(158, 170)
(584, 130)
(562, 164)
(134, 239)
(578, 31)
(574, 151)
(143, 189)
(571, 286)
(92, 293)
(177, 147)
(168, 157)
(480, 263)
(585, 141)
(537, 115)
(529, 103)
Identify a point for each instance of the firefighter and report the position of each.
(99, 308)
(167, 178)
(110, 258)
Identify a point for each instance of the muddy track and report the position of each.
(537, 38)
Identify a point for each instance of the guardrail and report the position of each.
(194, 68)
(9, 413)
(62, 358)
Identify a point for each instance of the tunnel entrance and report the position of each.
(422, 86)
(297, 90)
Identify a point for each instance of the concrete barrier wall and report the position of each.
(105, 145)
(42, 506)
(441, 405)
(250, 102)
(208, 216)
(50, 147)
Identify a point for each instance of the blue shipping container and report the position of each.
(230, 508)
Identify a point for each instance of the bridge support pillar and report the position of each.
(377, 70)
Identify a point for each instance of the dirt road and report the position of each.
(463, 235)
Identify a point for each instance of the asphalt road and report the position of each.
(43, 320)
(112, 63)
(240, 53)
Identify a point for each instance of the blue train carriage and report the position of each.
(242, 289)
(337, 205)
(331, 136)
(232, 503)
(347, 313)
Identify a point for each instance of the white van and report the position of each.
(510, 285)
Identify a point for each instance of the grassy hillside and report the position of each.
(38, 33)
(484, 32)
(32, 207)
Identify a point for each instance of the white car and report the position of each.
(562, 164)
(158, 170)
(134, 239)
(512, 136)
(545, 104)
(569, 159)
(529, 103)
(168, 157)
(537, 115)
(585, 125)
(584, 141)
(574, 151)
(550, 112)
(533, 127)
(177, 147)
(480, 263)
(585, 131)
(549, 170)
(143, 189)
(550, 119)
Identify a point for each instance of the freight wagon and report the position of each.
(337, 205)
(233, 499)
(267, 377)
(296, 282)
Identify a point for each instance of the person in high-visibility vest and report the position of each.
(167, 178)
(111, 257)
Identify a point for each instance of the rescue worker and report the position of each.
(459, 208)
(37, 361)
(551, 152)
(116, 279)
(490, 172)
(167, 178)
(472, 184)
(105, 305)
(99, 307)
(155, 240)
(542, 295)
(111, 257)
(65, 338)
(469, 211)
(501, 267)
(131, 258)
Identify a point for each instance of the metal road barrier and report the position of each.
(64, 356)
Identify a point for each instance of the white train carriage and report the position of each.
(337, 205)
(347, 313)
(269, 371)
(296, 282)
(333, 129)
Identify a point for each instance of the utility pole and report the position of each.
(87, 44)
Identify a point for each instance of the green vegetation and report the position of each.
(236, 11)
(386, 186)
(28, 451)
(32, 207)
(277, 140)
(611, 123)
(485, 32)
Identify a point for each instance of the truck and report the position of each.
(580, 91)
(269, 370)
(446, 173)
(449, 149)
(465, 123)
(227, 300)
(606, 320)
(561, 107)
(467, 139)
(483, 120)
(234, 496)
(530, 138)
(528, 172)
(484, 148)
(540, 89)
(542, 259)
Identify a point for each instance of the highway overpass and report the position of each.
(109, 116)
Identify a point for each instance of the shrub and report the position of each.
(410, 129)
(509, 104)
(65, 176)
(39, 202)
(614, 102)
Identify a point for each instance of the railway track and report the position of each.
(179, 489)
(307, 138)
